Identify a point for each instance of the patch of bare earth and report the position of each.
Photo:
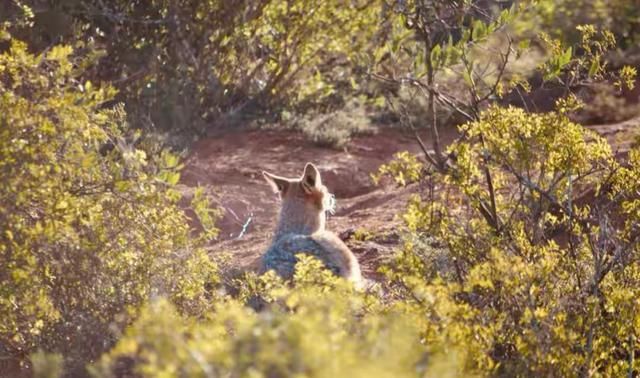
(621, 136)
(229, 166)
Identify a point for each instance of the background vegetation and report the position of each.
(523, 262)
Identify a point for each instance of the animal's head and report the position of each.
(304, 200)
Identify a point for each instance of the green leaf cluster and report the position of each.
(316, 327)
(91, 227)
(538, 276)
(620, 16)
(185, 65)
(586, 62)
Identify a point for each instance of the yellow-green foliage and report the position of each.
(47, 365)
(523, 262)
(576, 65)
(319, 327)
(473, 53)
(300, 37)
(335, 129)
(90, 226)
(183, 64)
(620, 16)
(522, 272)
(405, 169)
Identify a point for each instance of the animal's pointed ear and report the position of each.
(277, 183)
(311, 176)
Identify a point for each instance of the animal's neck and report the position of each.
(296, 218)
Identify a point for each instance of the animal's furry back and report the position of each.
(324, 245)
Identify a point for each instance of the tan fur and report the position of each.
(301, 227)
(339, 251)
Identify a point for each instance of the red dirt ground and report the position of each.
(229, 166)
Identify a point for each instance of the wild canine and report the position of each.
(301, 228)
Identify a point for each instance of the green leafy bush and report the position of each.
(319, 327)
(622, 17)
(520, 256)
(190, 64)
(526, 256)
(335, 129)
(90, 223)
